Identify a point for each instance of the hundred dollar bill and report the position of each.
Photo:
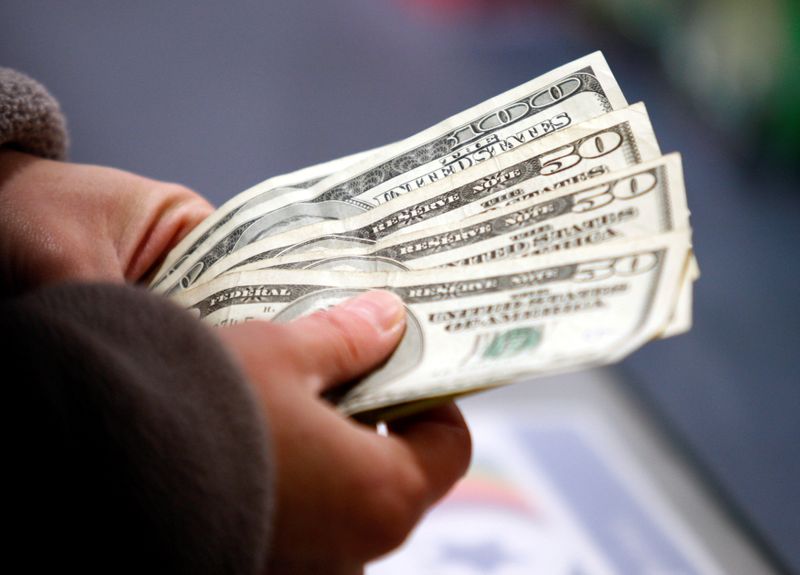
(561, 98)
(647, 199)
(611, 142)
(482, 325)
(247, 200)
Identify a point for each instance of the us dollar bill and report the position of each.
(682, 316)
(646, 199)
(611, 142)
(246, 201)
(561, 98)
(483, 325)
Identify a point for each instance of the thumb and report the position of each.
(346, 341)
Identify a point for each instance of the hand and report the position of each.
(61, 221)
(345, 494)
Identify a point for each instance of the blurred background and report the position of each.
(221, 95)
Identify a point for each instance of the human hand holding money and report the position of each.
(535, 241)
(318, 454)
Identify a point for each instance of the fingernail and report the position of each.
(383, 309)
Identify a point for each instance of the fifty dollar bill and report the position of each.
(611, 142)
(481, 325)
(647, 199)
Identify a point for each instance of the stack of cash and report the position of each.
(538, 232)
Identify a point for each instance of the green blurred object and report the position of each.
(783, 125)
(738, 60)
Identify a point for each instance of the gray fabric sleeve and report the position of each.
(30, 118)
(136, 444)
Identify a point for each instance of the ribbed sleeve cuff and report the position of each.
(30, 118)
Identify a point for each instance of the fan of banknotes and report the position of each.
(538, 232)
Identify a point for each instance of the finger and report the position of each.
(345, 342)
(437, 442)
(402, 475)
(157, 219)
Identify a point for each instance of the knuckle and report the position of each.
(172, 189)
(184, 204)
(346, 350)
(177, 196)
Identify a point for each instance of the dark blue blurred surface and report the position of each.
(223, 96)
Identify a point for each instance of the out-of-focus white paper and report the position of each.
(551, 490)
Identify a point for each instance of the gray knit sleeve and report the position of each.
(30, 118)
(139, 445)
